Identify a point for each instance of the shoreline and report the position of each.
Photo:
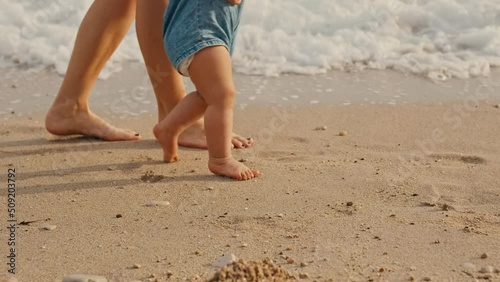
(129, 93)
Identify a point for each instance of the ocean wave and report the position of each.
(440, 39)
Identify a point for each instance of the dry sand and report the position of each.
(412, 192)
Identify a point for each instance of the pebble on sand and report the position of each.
(497, 106)
(343, 133)
(224, 260)
(84, 278)
(323, 127)
(136, 266)
(49, 227)
(484, 256)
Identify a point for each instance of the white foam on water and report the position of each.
(435, 38)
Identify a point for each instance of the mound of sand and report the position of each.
(265, 270)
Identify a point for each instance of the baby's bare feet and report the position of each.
(168, 142)
(231, 168)
(61, 120)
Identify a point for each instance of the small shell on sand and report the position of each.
(136, 266)
(487, 269)
(484, 256)
(343, 133)
(224, 260)
(469, 267)
(323, 127)
(158, 204)
(49, 227)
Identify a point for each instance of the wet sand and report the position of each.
(412, 191)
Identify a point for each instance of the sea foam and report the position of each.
(435, 38)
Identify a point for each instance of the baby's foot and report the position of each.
(168, 142)
(231, 168)
(64, 121)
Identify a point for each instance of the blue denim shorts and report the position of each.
(191, 25)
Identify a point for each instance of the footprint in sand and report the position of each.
(431, 195)
(457, 196)
(288, 156)
(299, 139)
(466, 159)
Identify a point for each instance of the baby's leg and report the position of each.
(211, 73)
(186, 113)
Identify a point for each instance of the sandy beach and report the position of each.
(411, 193)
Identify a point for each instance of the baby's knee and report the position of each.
(224, 95)
(229, 96)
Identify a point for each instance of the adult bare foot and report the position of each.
(60, 121)
(168, 141)
(194, 137)
(231, 168)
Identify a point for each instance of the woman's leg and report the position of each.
(166, 81)
(103, 28)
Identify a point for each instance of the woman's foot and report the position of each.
(194, 137)
(231, 168)
(63, 121)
